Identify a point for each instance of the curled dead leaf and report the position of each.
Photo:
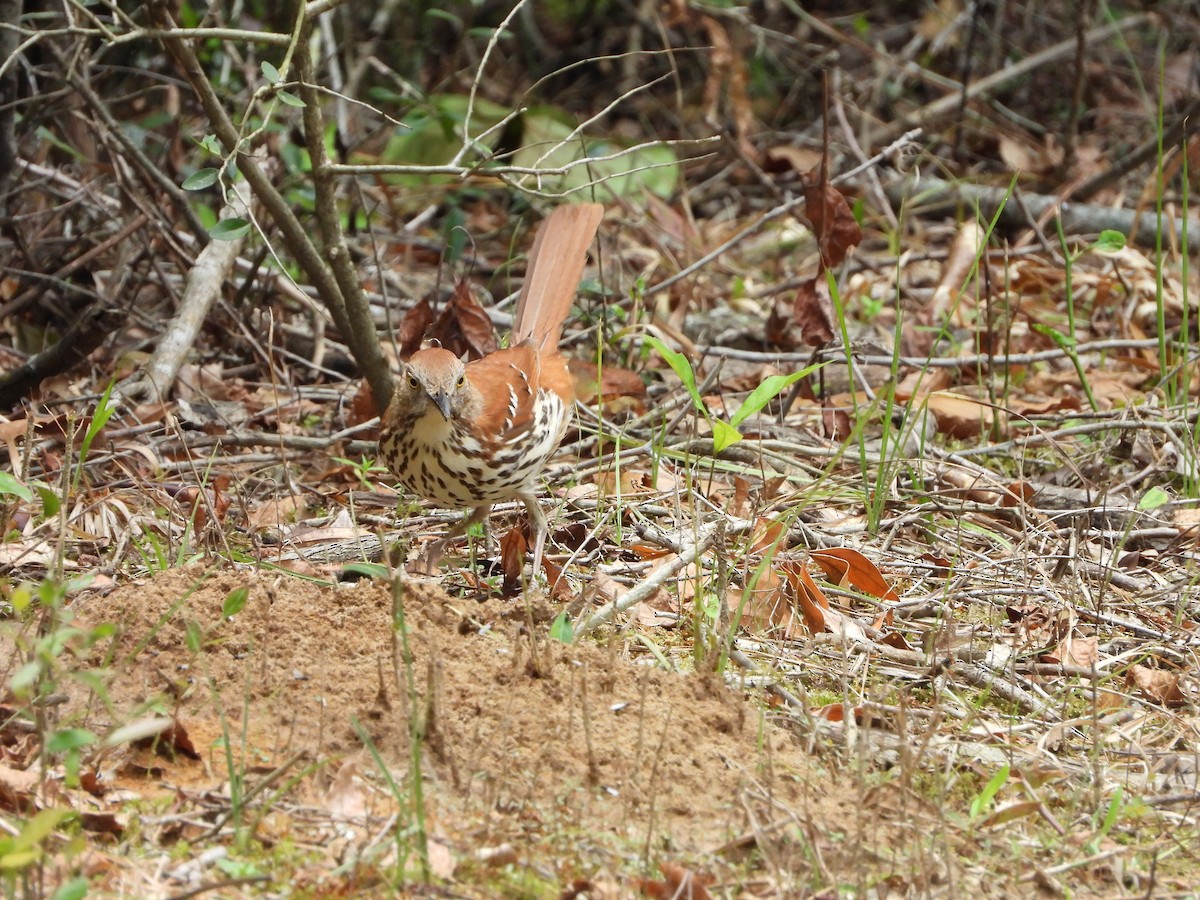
(963, 417)
(847, 567)
(1158, 685)
(812, 311)
(833, 222)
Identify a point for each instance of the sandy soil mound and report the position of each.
(523, 735)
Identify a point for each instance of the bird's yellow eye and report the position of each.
(412, 381)
(462, 379)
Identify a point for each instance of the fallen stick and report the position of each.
(1078, 217)
(647, 586)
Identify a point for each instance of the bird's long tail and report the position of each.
(553, 273)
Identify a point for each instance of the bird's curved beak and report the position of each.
(441, 399)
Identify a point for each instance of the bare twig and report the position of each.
(704, 540)
(204, 283)
(1076, 217)
(781, 209)
(938, 109)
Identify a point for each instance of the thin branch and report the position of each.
(1076, 217)
(644, 589)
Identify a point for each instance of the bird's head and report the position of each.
(435, 378)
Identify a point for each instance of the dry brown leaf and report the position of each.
(1016, 810)
(1029, 406)
(963, 417)
(17, 787)
(619, 389)
(442, 862)
(649, 551)
(948, 296)
(835, 423)
(10, 433)
(500, 855)
(1018, 492)
(788, 158)
(845, 566)
(767, 533)
(464, 327)
(920, 382)
(627, 481)
(348, 796)
(1083, 652)
(1158, 685)
(835, 712)
(593, 889)
(560, 588)
(833, 223)
(762, 608)
(938, 22)
(813, 312)
(512, 560)
(678, 884)
(739, 504)
(277, 512)
(342, 528)
(171, 738)
(812, 601)
(413, 328)
(362, 409)
(1188, 521)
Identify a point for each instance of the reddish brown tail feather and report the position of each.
(553, 273)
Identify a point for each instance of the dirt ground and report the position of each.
(531, 746)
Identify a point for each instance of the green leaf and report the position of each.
(767, 391)
(269, 72)
(483, 33)
(1154, 498)
(681, 367)
(10, 485)
(210, 143)
(104, 411)
(49, 137)
(290, 99)
(1064, 341)
(232, 229)
(197, 181)
(193, 636)
(368, 570)
(445, 15)
(69, 739)
(50, 500)
(235, 602)
(562, 629)
(544, 143)
(1114, 811)
(1109, 242)
(238, 868)
(39, 828)
(724, 435)
(25, 678)
(75, 889)
(20, 598)
(981, 803)
(12, 860)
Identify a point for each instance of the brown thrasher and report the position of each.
(467, 435)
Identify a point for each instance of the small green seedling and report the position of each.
(104, 410)
(363, 470)
(726, 434)
(983, 802)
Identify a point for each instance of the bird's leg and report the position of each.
(540, 527)
(429, 559)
